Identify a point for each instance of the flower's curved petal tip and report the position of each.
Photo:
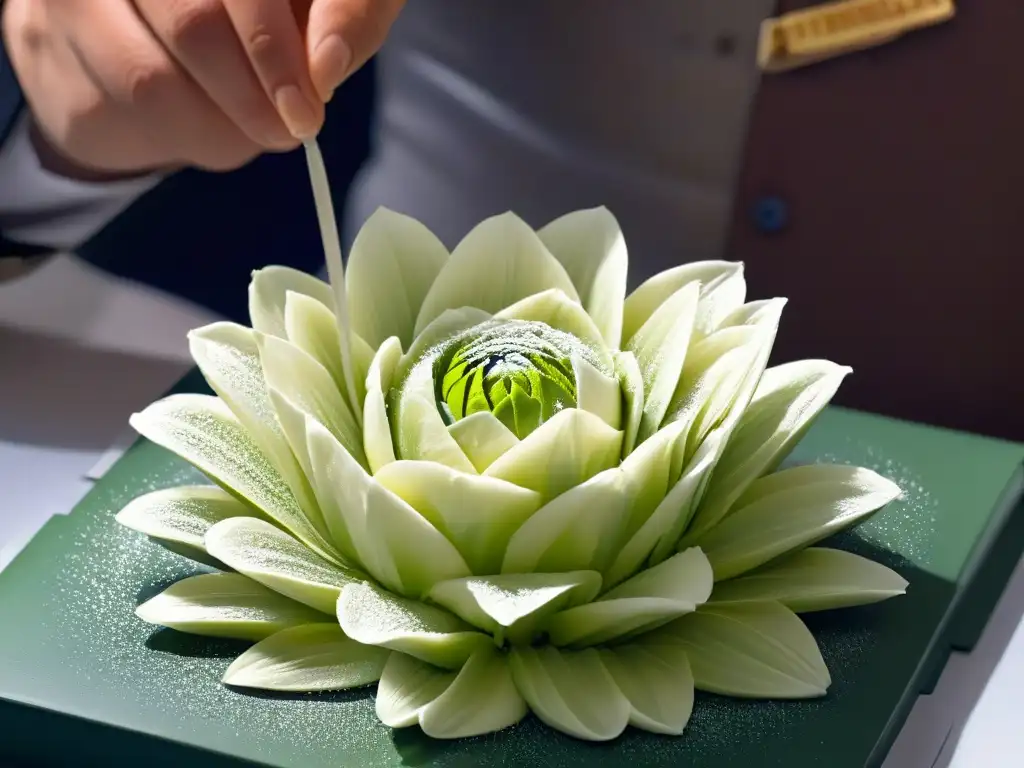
(307, 658)
(571, 691)
(372, 616)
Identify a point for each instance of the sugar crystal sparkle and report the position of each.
(492, 483)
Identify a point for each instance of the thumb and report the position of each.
(342, 35)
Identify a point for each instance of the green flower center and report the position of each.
(521, 371)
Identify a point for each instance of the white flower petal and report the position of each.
(377, 443)
(791, 509)
(815, 579)
(225, 605)
(306, 385)
(571, 691)
(513, 605)
(267, 554)
(660, 346)
(228, 356)
(669, 516)
(631, 381)
(483, 438)
(477, 514)
(419, 431)
(597, 393)
(657, 682)
(203, 431)
(787, 400)
(372, 616)
(649, 600)
(482, 699)
(685, 576)
(312, 327)
(645, 300)
(396, 544)
(311, 657)
(757, 650)
(391, 266)
(406, 686)
(567, 449)
(554, 308)
(178, 518)
(448, 324)
(590, 245)
(499, 262)
(268, 296)
(719, 298)
(578, 530)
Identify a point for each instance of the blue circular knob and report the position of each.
(771, 214)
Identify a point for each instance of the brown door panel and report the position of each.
(883, 192)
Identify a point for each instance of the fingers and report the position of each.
(273, 43)
(202, 38)
(342, 34)
(171, 117)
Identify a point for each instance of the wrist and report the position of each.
(54, 161)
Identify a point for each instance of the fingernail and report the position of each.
(333, 57)
(296, 112)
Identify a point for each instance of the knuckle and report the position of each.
(147, 82)
(194, 23)
(263, 47)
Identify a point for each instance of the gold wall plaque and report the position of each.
(833, 29)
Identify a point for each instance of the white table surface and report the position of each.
(79, 353)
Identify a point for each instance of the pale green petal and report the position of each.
(752, 313)
(483, 438)
(312, 327)
(645, 300)
(362, 358)
(578, 530)
(755, 650)
(482, 699)
(204, 432)
(792, 509)
(597, 393)
(590, 245)
(657, 682)
(311, 657)
(418, 430)
(407, 685)
(563, 452)
(631, 381)
(178, 518)
(372, 616)
(225, 605)
(377, 443)
(475, 513)
(228, 356)
(571, 691)
(686, 576)
(392, 541)
(719, 298)
(270, 556)
(660, 347)
(513, 605)
(391, 266)
(669, 516)
(787, 400)
(815, 579)
(308, 387)
(648, 474)
(554, 308)
(268, 296)
(499, 262)
(649, 600)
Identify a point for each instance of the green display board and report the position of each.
(84, 682)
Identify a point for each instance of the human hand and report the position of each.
(120, 87)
